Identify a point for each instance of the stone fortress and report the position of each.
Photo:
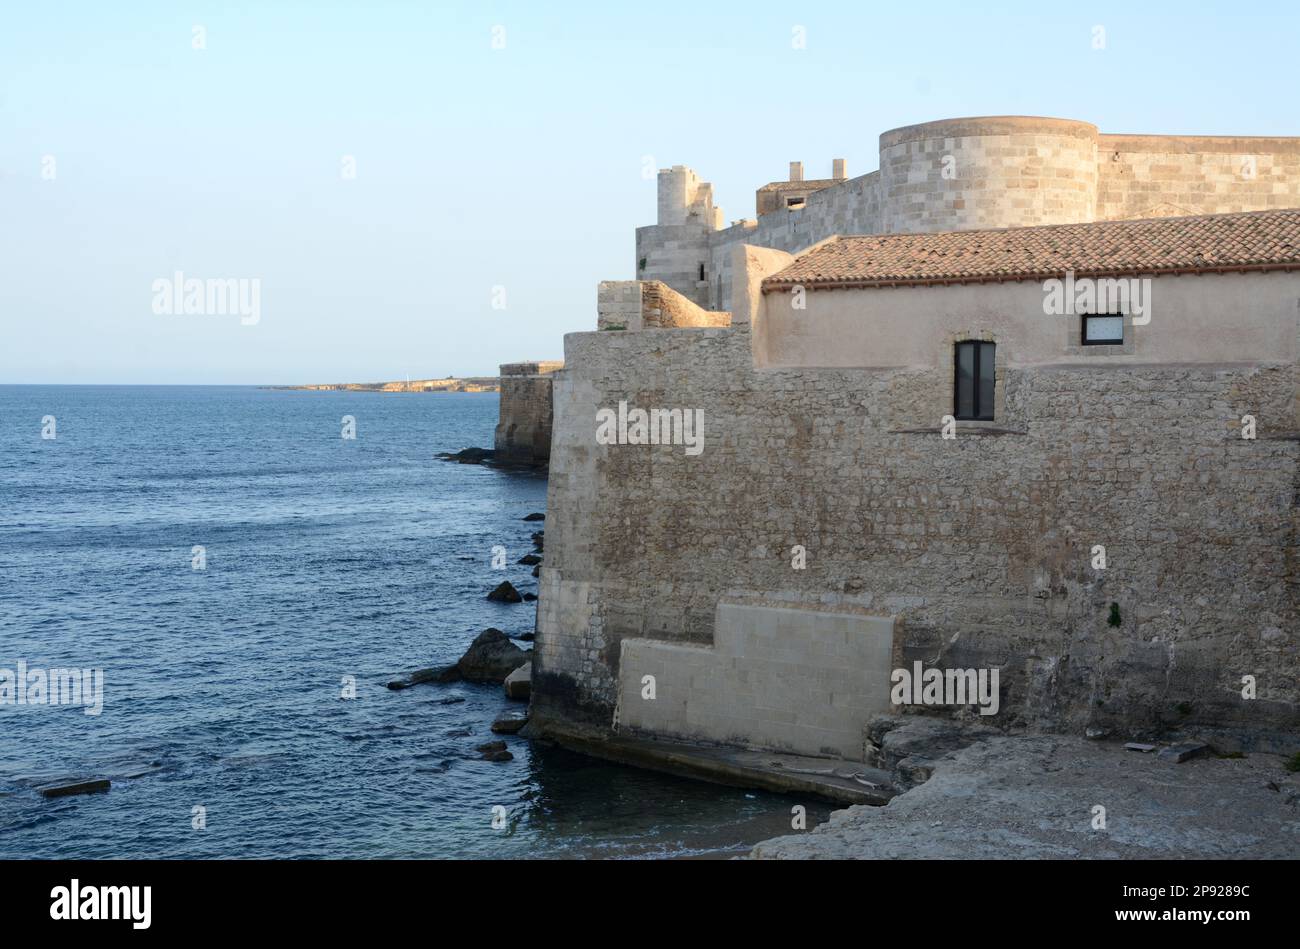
(910, 458)
(959, 174)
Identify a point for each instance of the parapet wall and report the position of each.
(523, 432)
(649, 304)
(958, 174)
(1159, 176)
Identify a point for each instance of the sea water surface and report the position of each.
(326, 558)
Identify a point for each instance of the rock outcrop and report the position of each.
(1025, 797)
(505, 592)
(490, 658)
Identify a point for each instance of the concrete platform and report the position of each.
(828, 778)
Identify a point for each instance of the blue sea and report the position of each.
(324, 558)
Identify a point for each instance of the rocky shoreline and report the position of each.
(493, 658)
(974, 793)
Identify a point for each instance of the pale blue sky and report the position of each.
(476, 167)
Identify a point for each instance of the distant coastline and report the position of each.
(449, 384)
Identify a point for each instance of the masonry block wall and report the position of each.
(979, 547)
(523, 432)
(804, 681)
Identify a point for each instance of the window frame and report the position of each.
(1083, 329)
(978, 409)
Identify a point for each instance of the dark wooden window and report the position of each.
(973, 386)
(1103, 329)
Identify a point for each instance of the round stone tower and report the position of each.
(996, 171)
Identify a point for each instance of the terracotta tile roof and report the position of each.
(1209, 243)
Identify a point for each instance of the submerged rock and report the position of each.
(530, 597)
(529, 559)
(469, 456)
(508, 725)
(421, 676)
(535, 516)
(505, 593)
(494, 751)
(63, 789)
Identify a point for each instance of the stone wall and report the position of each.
(1157, 176)
(979, 549)
(523, 432)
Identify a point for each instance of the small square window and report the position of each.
(1103, 330)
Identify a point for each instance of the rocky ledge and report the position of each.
(980, 794)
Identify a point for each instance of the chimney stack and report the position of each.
(838, 171)
(796, 171)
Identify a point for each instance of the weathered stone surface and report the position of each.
(1183, 751)
(1032, 797)
(505, 592)
(519, 683)
(1138, 746)
(890, 741)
